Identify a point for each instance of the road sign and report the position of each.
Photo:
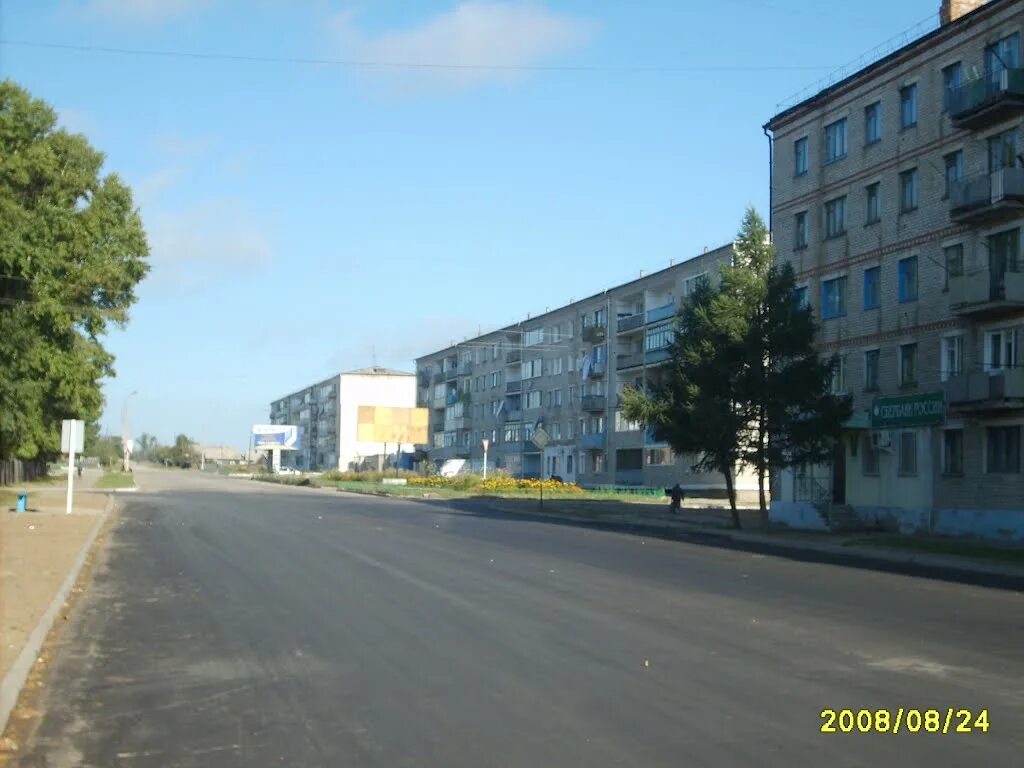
(72, 436)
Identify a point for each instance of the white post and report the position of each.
(71, 466)
(486, 444)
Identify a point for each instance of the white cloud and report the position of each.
(477, 42)
(139, 11)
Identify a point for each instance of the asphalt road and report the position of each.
(239, 624)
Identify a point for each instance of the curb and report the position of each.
(14, 680)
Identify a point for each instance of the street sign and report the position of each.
(917, 410)
(72, 436)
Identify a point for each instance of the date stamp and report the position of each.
(904, 720)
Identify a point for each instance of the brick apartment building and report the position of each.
(898, 197)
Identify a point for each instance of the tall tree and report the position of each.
(183, 452)
(72, 251)
(745, 386)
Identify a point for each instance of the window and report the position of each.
(871, 358)
(908, 106)
(533, 399)
(800, 295)
(868, 457)
(835, 141)
(838, 385)
(658, 456)
(572, 394)
(835, 217)
(690, 284)
(600, 318)
(557, 366)
(622, 424)
(908, 365)
(555, 428)
(872, 287)
(833, 297)
(1002, 256)
(1002, 150)
(556, 398)
(954, 262)
(950, 83)
(908, 279)
(496, 406)
(954, 168)
(658, 337)
(512, 433)
(800, 156)
(533, 336)
(908, 190)
(495, 351)
(556, 333)
(952, 356)
(953, 452)
(800, 227)
(570, 429)
(533, 368)
(1003, 450)
(495, 379)
(598, 462)
(873, 204)
(1003, 54)
(568, 462)
(873, 123)
(908, 453)
(1000, 349)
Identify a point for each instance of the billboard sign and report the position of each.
(282, 436)
(918, 410)
(389, 424)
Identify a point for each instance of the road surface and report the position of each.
(243, 624)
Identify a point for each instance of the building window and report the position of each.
(800, 156)
(873, 204)
(533, 336)
(533, 399)
(908, 279)
(800, 295)
(954, 168)
(598, 462)
(871, 358)
(1003, 450)
(656, 457)
(533, 369)
(873, 123)
(908, 365)
(555, 428)
(833, 298)
(1003, 54)
(953, 452)
(1000, 349)
(954, 262)
(622, 424)
(557, 366)
(908, 106)
(908, 453)
(950, 83)
(691, 284)
(659, 337)
(908, 190)
(600, 318)
(1003, 250)
(800, 222)
(495, 379)
(838, 385)
(872, 287)
(868, 457)
(835, 217)
(835, 141)
(952, 356)
(1002, 150)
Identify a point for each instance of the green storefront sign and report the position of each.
(921, 410)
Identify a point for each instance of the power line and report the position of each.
(370, 64)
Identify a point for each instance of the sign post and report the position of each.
(72, 440)
(486, 444)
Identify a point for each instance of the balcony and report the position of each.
(513, 356)
(631, 323)
(982, 391)
(984, 294)
(511, 414)
(456, 424)
(451, 398)
(987, 100)
(451, 373)
(513, 386)
(438, 377)
(465, 368)
(596, 369)
(988, 198)
(593, 403)
(663, 312)
(656, 356)
(630, 360)
(592, 442)
(594, 334)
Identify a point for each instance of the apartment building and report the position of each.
(898, 197)
(545, 392)
(327, 414)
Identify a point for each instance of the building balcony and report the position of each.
(656, 356)
(514, 356)
(511, 414)
(631, 323)
(592, 442)
(513, 386)
(465, 368)
(438, 377)
(451, 373)
(593, 403)
(454, 425)
(987, 198)
(984, 294)
(981, 391)
(594, 334)
(987, 100)
(451, 398)
(630, 360)
(663, 312)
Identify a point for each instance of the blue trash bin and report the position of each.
(22, 502)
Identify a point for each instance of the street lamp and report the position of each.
(126, 440)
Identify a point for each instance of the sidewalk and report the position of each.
(41, 553)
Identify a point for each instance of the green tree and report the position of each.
(145, 446)
(72, 251)
(183, 452)
(744, 386)
(108, 451)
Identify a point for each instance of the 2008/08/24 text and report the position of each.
(949, 720)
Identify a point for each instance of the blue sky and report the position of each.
(305, 217)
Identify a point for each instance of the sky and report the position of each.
(334, 184)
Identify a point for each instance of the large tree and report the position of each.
(744, 386)
(72, 251)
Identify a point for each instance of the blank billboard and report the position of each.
(389, 424)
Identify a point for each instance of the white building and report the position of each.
(327, 414)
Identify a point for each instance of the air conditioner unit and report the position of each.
(881, 441)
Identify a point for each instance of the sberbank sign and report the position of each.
(919, 410)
